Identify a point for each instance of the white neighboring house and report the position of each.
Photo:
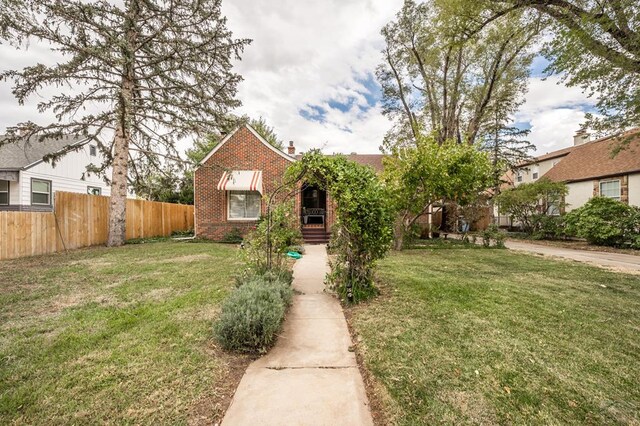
(589, 169)
(27, 183)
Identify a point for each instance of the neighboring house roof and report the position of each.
(256, 134)
(372, 160)
(548, 156)
(594, 159)
(25, 153)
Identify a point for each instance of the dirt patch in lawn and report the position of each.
(211, 407)
(471, 405)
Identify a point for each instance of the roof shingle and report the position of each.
(594, 160)
(18, 155)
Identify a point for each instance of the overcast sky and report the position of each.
(310, 73)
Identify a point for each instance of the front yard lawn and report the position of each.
(119, 335)
(465, 335)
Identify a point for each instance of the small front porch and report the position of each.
(313, 215)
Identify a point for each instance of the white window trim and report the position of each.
(48, 193)
(619, 197)
(8, 191)
(241, 219)
(90, 187)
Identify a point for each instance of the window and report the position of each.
(4, 192)
(519, 177)
(94, 190)
(41, 192)
(535, 175)
(244, 205)
(553, 210)
(610, 189)
(93, 151)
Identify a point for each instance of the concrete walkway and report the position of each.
(617, 261)
(310, 377)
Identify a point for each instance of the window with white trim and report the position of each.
(519, 176)
(41, 192)
(244, 205)
(94, 190)
(4, 192)
(610, 189)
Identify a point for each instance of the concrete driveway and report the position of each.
(620, 262)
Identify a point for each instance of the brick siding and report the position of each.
(242, 151)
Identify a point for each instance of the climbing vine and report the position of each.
(363, 232)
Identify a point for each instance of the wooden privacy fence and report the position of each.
(80, 220)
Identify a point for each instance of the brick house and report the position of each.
(231, 182)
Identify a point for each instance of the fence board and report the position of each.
(81, 220)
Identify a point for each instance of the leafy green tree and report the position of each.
(528, 201)
(435, 78)
(362, 232)
(607, 222)
(148, 73)
(418, 176)
(594, 45)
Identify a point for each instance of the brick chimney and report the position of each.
(291, 150)
(581, 137)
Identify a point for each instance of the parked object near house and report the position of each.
(589, 169)
(232, 182)
(28, 183)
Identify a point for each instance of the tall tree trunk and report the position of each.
(398, 230)
(118, 199)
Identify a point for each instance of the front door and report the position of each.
(314, 205)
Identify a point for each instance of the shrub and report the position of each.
(283, 231)
(548, 227)
(232, 237)
(252, 315)
(607, 222)
(528, 201)
(492, 233)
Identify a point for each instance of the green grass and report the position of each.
(470, 336)
(119, 335)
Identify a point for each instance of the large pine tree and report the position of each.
(143, 72)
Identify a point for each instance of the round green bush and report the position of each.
(251, 316)
(604, 221)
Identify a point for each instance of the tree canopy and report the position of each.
(418, 176)
(435, 78)
(145, 72)
(594, 45)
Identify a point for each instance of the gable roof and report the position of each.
(27, 152)
(593, 160)
(256, 134)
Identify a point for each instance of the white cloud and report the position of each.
(554, 111)
(310, 53)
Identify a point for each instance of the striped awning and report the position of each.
(241, 180)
